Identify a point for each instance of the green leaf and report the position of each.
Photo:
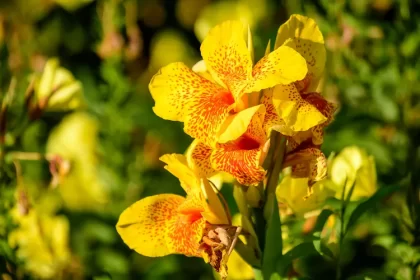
(273, 243)
(323, 249)
(368, 204)
(248, 254)
(322, 219)
(301, 250)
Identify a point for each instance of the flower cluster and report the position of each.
(231, 106)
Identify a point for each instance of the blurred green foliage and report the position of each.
(113, 47)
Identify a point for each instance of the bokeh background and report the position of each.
(69, 168)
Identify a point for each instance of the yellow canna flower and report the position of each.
(292, 192)
(75, 140)
(296, 109)
(197, 225)
(353, 166)
(41, 239)
(240, 150)
(204, 105)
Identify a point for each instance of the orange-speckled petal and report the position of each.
(143, 225)
(327, 109)
(308, 163)
(198, 156)
(174, 86)
(271, 118)
(237, 124)
(243, 157)
(316, 132)
(242, 164)
(302, 34)
(282, 66)
(206, 113)
(184, 233)
(297, 113)
(226, 56)
(317, 167)
(193, 204)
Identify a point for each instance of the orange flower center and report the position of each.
(226, 98)
(192, 215)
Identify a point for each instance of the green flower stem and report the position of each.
(260, 214)
(260, 226)
(276, 163)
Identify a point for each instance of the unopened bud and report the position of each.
(253, 197)
(57, 89)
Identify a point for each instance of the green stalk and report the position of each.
(262, 214)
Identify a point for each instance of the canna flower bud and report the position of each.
(353, 166)
(57, 89)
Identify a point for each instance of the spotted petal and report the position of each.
(316, 133)
(236, 125)
(226, 56)
(243, 156)
(198, 157)
(308, 163)
(302, 34)
(143, 225)
(201, 197)
(297, 113)
(282, 66)
(205, 115)
(182, 95)
(271, 117)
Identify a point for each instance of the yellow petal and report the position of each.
(271, 118)
(297, 113)
(243, 156)
(282, 66)
(250, 45)
(75, 139)
(178, 166)
(238, 268)
(302, 34)
(143, 225)
(205, 115)
(215, 212)
(353, 166)
(198, 157)
(174, 86)
(293, 191)
(201, 197)
(201, 69)
(185, 233)
(227, 58)
(237, 124)
(316, 133)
